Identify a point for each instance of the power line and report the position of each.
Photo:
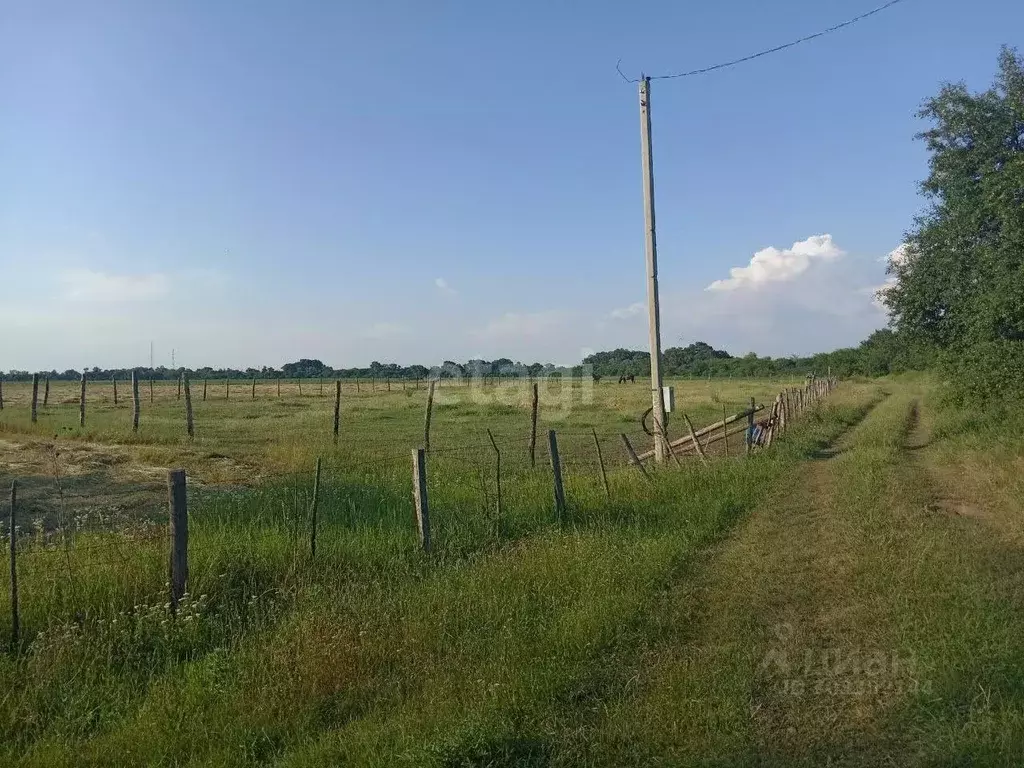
(765, 52)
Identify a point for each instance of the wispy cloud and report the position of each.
(624, 313)
(771, 264)
(385, 331)
(443, 285)
(90, 285)
(522, 325)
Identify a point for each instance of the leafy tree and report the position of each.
(959, 284)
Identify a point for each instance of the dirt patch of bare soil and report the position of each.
(79, 485)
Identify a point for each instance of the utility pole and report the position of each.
(653, 308)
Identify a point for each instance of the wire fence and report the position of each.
(71, 545)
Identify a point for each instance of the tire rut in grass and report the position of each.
(732, 675)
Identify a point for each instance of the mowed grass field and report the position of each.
(833, 600)
(273, 433)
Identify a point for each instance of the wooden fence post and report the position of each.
(278, 387)
(178, 509)
(600, 463)
(15, 621)
(357, 385)
(556, 473)
(299, 381)
(632, 455)
(179, 385)
(46, 392)
(419, 494)
(135, 401)
(749, 441)
(81, 403)
(188, 407)
(389, 383)
(35, 395)
(205, 382)
(113, 380)
(725, 431)
(497, 453)
(1, 393)
(696, 442)
(150, 390)
(337, 408)
(253, 387)
(227, 389)
(313, 511)
(426, 422)
(533, 426)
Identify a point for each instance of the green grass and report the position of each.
(498, 649)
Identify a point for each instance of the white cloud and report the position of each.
(443, 285)
(772, 265)
(898, 255)
(89, 285)
(624, 313)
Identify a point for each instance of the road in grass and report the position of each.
(870, 614)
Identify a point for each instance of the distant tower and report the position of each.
(172, 359)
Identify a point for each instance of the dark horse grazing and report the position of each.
(631, 379)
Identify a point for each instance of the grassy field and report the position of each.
(841, 597)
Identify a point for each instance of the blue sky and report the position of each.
(250, 183)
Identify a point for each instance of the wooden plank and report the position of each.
(683, 441)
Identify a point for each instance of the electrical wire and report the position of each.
(759, 54)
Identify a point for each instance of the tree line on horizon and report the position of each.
(878, 355)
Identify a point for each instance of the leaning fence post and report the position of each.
(533, 426)
(419, 494)
(178, 508)
(81, 403)
(188, 406)
(426, 421)
(313, 510)
(633, 459)
(46, 392)
(35, 395)
(15, 622)
(750, 426)
(600, 463)
(497, 453)
(725, 432)
(696, 442)
(135, 401)
(337, 408)
(556, 473)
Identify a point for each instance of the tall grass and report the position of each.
(373, 653)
